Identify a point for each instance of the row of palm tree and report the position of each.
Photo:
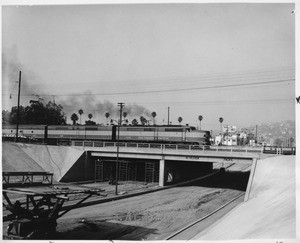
(143, 120)
(74, 116)
(200, 118)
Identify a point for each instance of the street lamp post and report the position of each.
(118, 139)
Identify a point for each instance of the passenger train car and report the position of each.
(52, 134)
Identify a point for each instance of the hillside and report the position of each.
(278, 133)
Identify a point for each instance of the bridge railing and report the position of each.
(269, 149)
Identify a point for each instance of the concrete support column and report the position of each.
(250, 180)
(162, 165)
(86, 158)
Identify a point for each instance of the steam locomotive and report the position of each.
(55, 134)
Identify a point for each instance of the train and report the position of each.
(58, 134)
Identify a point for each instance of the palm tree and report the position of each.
(74, 118)
(125, 115)
(153, 115)
(200, 119)
(107, 116)
(90, 116)
(180, 120)
(221, 121)
(80, 113)
(143, 120)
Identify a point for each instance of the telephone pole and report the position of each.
(18, 110)
(256, 135)
(168, 115)
(121, 105)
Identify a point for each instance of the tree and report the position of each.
(38, 114)
(180, 120)
(221, 121)
(89, 122)
(90, 116)
(80, 113)
(143, 120)
(54, 114)
(134, 122)
(125, 115)
(107, 116)
(153, 115)
(74, 118)
(13, 115)
(5, 117)
(200, 119)
(278, 142)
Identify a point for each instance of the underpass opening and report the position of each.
(233, 176)
(128, 170)
(180, 171)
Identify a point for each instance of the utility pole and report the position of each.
(256, 135)
(121, 105)
(18, 110)
(168, 116)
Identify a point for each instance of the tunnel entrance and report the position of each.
(235, 180)
(178, 171)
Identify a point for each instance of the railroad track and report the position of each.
(176, 235)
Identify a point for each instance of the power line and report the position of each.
(256, 73)
(174, 90)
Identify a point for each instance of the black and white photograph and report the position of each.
(149, 121)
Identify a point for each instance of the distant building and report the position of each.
(218, 139)
(229, 129)
(230, 140)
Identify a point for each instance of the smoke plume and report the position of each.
(89, 104)
(31, 88)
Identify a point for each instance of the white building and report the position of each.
(229, 129)
(230, 140)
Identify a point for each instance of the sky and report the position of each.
(229, 60)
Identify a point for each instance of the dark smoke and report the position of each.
(32, 84)
(11, 66)
(89, 104)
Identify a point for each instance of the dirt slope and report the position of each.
(270, 211)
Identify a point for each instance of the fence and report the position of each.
(268, 150)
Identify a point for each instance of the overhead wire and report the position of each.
(171, 90)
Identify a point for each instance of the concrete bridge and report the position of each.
(176, 161)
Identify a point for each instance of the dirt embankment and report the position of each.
(151, 216)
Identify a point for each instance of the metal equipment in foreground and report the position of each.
(36, 218)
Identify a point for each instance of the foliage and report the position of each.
(143, 120)
(74, 118)
(180, 119)
(90, 116)
(153, 115)
(89, 122)
(36, 114)
(107, 116)
(5, 117)
(134, 122)
(278, 142)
